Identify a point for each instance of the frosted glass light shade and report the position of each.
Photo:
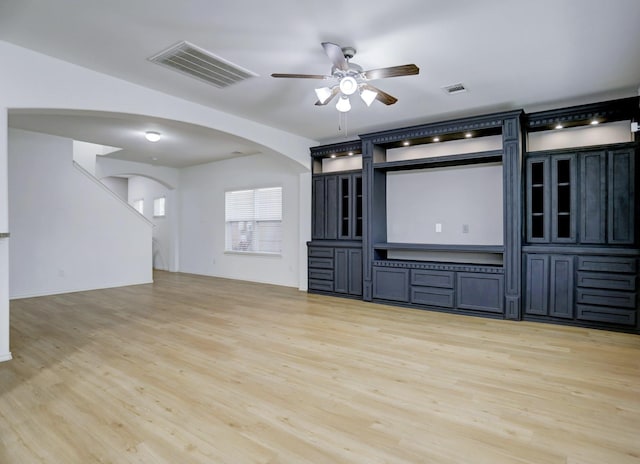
(152, 136)
(368, 96)
(343, 104)
(323, 94)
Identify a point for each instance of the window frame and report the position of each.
(164, 206)
(281, 223)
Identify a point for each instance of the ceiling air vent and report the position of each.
(454, 88)
(201, 64)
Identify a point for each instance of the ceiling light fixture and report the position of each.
(405, 143)
(436, 139)
(468, 135)
(333, 155)
(152, 136)
(559, 126)
(343, 104)
(595, 122)
(350, 153)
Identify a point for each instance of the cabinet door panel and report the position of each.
(563, 198)
(318, 208)
(593, 197)
(621, 189)
(331, 208)
(561, 286)
(538, 200)
(341, 271)
(356, 206)
(391, 284)
(537, 284)
(480, 292)
(355, 271)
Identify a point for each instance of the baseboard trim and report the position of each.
(75, 290)
(5, 357)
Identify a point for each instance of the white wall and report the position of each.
(202, 229)
(69, 233)
(5, 353)
(163, 231)
(118, 185)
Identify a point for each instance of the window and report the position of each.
(253, 220)
(158, 207)
(139, 205)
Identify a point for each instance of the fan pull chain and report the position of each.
(340, 123)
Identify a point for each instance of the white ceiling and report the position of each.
(509, 54)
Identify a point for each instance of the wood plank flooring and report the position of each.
(195, 369)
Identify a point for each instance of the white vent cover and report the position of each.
(196, 62)
(454, 88)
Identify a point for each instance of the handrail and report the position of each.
(112, 193)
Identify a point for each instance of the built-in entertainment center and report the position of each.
(507, 215)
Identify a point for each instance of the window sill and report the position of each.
(253, 253)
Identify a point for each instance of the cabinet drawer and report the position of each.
(603, 280)
(606, 264)
(432, 296)
(324, 285)
(320, 252)
(441, 279)
(611, 315)
(321, 263)
(607, 298)
(321, 274)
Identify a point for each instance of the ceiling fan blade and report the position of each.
(334, 92)
(381, 96)
(394, 71)
(301, 76)
(335, 54)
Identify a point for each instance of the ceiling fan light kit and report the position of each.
(349, 78)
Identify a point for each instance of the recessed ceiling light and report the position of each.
(559, 126)
(468, 135)
(333, 155)
(350, 153)
(436, 139)
(405, 143)
(152, 136)
(595, 122)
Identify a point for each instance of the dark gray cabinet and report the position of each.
(350, 206)
(551, 198)
(324, 219)
(593, 198)
(335, 269)
(336, 207)
(549, 285)
(581, 197)
(621, 193)
(538, 199)
(348, 271)
(607, 289)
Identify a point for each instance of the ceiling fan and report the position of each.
(348, 78)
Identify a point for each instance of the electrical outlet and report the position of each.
(438, 227)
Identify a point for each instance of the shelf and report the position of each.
(439, 247)
(441, 161)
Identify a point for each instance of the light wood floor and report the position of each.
(202, 370)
